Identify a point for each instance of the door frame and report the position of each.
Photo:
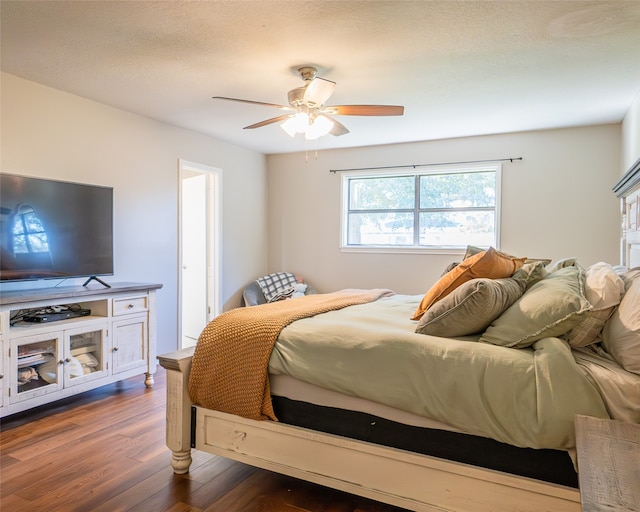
(214, 237)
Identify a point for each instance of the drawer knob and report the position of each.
(115, 349)
(130, 306)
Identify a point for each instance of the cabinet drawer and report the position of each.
(128, 305)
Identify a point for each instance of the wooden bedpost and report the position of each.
(178, 366)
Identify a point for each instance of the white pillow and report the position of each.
(621, 333)
(603, 289)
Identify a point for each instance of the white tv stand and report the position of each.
(43, 362)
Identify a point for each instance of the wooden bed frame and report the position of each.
(413, 481)
(401, 478)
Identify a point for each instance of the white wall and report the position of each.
(557, 202)
(631, 136)
(49, 133)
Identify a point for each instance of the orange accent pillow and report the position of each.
(490, 264)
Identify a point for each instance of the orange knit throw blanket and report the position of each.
(229, 372)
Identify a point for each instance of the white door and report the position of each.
(199, 249)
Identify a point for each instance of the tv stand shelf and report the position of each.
(45, 361)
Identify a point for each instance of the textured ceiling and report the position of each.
(459, 68)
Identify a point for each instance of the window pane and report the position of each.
(18, 227)
(38, 242)
(380, 229)
(474, 189)
(457, 229)
(33, 223)
(20, 244)
(395, 192)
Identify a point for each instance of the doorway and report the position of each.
(199, 273)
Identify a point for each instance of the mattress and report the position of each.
(306, 405)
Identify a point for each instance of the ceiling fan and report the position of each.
(308, 112)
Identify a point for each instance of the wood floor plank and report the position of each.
(255, 493)
(19, 477)
(220, 483)
(210, 468)
(145, 446)
(33, 433)
(12, 502)
(78, 474)
(177, 489)
(38, 445)
(70, 431)
(140, 492)
(121, 478)
(183, 507)
(72, 454)
(77, 493)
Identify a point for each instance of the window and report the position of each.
(429, 210)
(29, 234)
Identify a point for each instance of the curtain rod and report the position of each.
(413, 166)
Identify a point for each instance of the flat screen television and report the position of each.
(54, 229)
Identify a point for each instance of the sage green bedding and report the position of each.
(525, 397)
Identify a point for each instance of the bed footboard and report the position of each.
(178, 366)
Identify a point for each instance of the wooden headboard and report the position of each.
(628, 191)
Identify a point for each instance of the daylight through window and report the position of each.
(436, 209)
(29, 234)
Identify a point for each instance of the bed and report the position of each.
(481, 421)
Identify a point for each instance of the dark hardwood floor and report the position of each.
(104, 451)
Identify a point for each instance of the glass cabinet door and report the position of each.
(85, 354)
(36, 366)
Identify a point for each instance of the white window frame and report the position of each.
(457, 169)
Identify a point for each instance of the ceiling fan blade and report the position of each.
(338, 128)
(364, 110)
(318, 91)
(281, 107)
(267, 121)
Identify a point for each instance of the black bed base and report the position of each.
(553, 466)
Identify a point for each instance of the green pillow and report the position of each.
(531, 273)
(551, 307)
(565, 262)
(471, 307)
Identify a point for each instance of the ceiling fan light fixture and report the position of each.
(289, 127)
(296, 124)
(320, 126)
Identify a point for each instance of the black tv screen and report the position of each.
(54, 229)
